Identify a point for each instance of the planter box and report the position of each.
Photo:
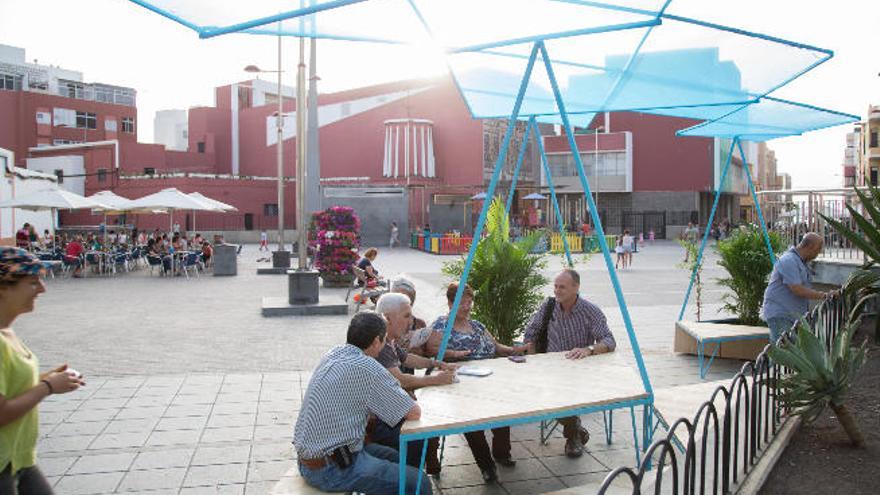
(741, 341)
(336, 280)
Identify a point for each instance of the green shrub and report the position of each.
(744, 256)
(506, 277)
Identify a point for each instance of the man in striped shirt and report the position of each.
(579, 329)
(347, 386)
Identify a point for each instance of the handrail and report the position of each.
(753, 416)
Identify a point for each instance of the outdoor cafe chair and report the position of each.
(70, 263)
(95, 260)
(155, 261)
(191, 261)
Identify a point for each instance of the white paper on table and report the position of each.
(470, 370)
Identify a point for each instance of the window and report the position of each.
(59, 142)
(874, 139)
(10, 82)
(149, 171)
(73, 90)
(60, 175)
(128, 125)
(102, 175)
(200, 147)
(86, 120)
(270, 209)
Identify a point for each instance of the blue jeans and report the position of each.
(374, 471)
(778, 326)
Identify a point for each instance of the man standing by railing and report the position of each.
(788, 294)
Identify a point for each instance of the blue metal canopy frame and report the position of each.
(703, 107)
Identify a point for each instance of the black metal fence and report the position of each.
(719, 446)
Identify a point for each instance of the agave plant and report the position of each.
(505, 275)
(867, 238)
(820, 375)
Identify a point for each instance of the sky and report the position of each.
(118, 42)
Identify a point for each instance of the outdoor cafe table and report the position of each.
(546, 386)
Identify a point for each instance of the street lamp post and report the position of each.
(279, 125)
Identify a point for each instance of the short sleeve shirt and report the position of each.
(391, 356)
(479, 342)
(18, 439)
(346, 387)
(582, 326)
(779, 300)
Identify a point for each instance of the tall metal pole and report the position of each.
(301, 133)
(279, 124)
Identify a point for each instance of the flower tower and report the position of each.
(335, 234)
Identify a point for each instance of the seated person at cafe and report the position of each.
(470, 340)
(416, 337)
(72, 253)
(397, 311)
(346, 387)
(569, 323)
(207, 253)
(366, 264)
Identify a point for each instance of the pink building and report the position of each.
(406, 152)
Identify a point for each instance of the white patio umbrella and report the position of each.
(213, 202)
(117, 204)
(170, 200)
(53, 199)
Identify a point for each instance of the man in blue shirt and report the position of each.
(788, 293)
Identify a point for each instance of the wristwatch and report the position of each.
(592, 349)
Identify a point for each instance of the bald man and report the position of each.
(788, 294)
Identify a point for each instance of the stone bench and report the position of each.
(723, 340)
(294, 484)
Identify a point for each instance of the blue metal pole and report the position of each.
(742, 155)
(643, 372)
(534, 126)
(490, 192)
(519, 162)
(687, 294)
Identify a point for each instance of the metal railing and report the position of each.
(793, 213)
(719, 446)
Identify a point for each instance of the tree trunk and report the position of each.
(849, 425)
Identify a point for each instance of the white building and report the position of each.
(170, 128)
(17, 182)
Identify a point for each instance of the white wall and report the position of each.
(170, 128)
(17, 182)
(71, 165)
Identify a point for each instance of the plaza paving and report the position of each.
(191, 391)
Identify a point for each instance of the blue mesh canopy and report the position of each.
(769, 119)
(613, 55)
(451, 23)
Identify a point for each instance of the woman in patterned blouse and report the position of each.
(470, 340)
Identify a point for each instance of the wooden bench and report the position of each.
(725, 340)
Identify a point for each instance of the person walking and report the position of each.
(264, 241)
(22, 386)
(395, 236)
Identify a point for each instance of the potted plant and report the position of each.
(336, 238)
(744, 256)
(505, 275)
